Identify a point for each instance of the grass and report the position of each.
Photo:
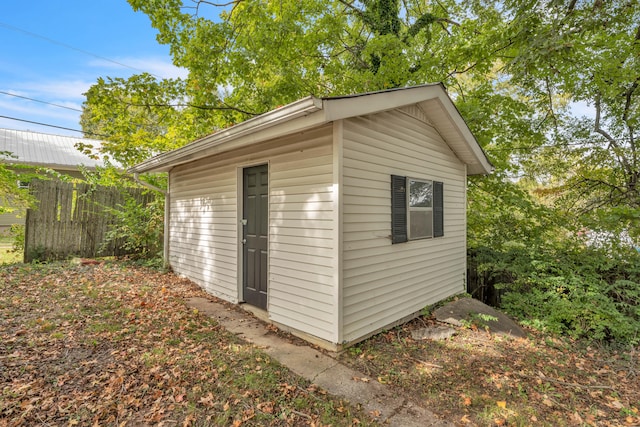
(7, 255)
(116, 345)
(6, 239)
(480, 379)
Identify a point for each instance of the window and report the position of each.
(23, 184)
(420, 208)
(416, 209)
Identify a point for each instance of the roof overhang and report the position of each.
(313, 112)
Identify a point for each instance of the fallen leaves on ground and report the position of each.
(113, 344)
(487, 380)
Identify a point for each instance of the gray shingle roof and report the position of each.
(46, 150)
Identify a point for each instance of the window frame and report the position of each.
(411, 209)
(401, 210)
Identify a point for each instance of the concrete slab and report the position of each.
(433, 333)
(322, 369)
(464, 308)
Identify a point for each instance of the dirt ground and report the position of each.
(476, 377)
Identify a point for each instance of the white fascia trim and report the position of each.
(370, 103)
(472, 142)
(163, 162)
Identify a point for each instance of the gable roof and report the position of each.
(46, 150)
(312, 112)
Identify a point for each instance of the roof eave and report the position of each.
(460, 138)
(456, 133)
(165, 161)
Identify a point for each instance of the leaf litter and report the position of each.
(114, 344)
(477, 378)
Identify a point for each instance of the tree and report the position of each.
(513, 69)
(262, 54)
(9, 191)
(138, 117)
(12, 197)
(587, 52)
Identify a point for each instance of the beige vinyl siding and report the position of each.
(203, 227)
(301, 274)
(205, 233)
(383, 283)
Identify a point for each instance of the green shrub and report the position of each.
(39, 254)
(583, 293)
(138, 227)
(17, 234)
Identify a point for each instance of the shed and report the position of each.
(337, 217)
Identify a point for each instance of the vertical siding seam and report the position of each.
(464, 221)
(269, 251)
(239, 181)
(166, 250)
(338, 128)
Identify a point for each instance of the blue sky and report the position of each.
(41, 56)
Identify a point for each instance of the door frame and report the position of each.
(240, 231)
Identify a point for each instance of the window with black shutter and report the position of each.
(398, 209)
(438, 209)
(417, 209)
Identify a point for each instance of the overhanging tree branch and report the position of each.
(223, 107)
(613, 144)
(210, 3)
(625, 117)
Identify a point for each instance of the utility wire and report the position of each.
(68, 46)
(53, 126)
(42, 102)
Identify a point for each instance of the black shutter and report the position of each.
(398, 209)
(438, 209)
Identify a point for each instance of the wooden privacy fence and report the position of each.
(72, 219)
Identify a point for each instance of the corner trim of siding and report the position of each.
(239, 254)
(338, 144)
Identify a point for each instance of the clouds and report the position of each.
(65, 86)
(54, 53)
(60, 89)
(156, 66)
(31, 111)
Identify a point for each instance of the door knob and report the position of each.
(244, 241)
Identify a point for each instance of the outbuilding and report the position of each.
(337, 217)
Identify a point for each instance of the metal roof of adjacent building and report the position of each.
(47, 150)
